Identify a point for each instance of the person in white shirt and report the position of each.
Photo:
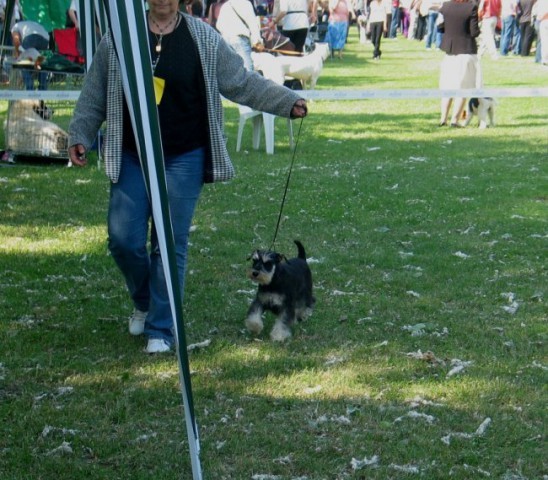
(295, 16)
(240, 27)
(16, 16)
(542, 18)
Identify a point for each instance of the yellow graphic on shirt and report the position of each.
(159, 86)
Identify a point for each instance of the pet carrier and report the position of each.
(37, 127)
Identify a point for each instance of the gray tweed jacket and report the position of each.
(101, 99)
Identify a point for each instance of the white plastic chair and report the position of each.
(260, 120)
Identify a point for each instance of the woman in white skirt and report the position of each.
(460, 67)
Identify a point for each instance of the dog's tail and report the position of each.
(302, 253)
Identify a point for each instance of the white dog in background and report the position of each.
(484, 108)
(306, 68)
(28, 129)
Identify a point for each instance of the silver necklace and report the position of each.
(163, 31)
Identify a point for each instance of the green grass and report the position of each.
(405, 223)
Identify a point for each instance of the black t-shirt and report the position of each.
(182, 109)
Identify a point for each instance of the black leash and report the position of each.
(287, 184)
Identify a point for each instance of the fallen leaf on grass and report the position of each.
(366, 462)
(458, 366)
(416, 415)
(419, 402)
(469, 468)
(194, 346)
(405, 468)
(62, 449)
(64, 431)
(512, 306)
(311, 390)
(427, 356)
(537, 364)
(284, 460)
(478, 433)
(416, 330)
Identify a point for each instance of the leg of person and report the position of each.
(431, 29)
(458, 106)
(538, 43)
(376, 33)
(184, 174)
(544, 41)
(300, 39)
(491, 45)
(28, 79)
(128, 215)
(394, 22)
(445, 107)
(43, 81)
(506, 35)
(516, 42)
(526, 39)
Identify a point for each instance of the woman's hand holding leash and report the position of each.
(77, 155)
(299, 110)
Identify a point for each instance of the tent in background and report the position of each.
(49, 13)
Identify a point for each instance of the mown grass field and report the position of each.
(425, 356)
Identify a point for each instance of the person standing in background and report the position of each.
(17, 16)
(395, 20)
(337, 27)
(377, 25)
(240, 27)
(508, 14)
(527, 31)
(30, 35)
(433, 37)
(460, 68)
(489, 14)
(295, 17)
(542, 18)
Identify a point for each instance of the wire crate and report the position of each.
(38, 127)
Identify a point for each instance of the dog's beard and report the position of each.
(261, 278)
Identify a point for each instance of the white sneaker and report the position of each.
(137, 322)
(157, 345)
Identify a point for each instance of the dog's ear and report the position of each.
(281, 258)
(253, 256)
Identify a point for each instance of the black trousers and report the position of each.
(297, 37)
(527, 37)
(376, 35)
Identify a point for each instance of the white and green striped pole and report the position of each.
(128, 24)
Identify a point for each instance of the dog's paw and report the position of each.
(280, 332)
(254, 323)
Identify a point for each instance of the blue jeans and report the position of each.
(516, 42)
(507, 34)
(538, 53)
(128, 220)
(29, 76)
(432, 34)
(395, 22)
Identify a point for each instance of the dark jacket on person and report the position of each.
(460, 27)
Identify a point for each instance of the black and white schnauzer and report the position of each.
(285, 289)
(484, 108)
